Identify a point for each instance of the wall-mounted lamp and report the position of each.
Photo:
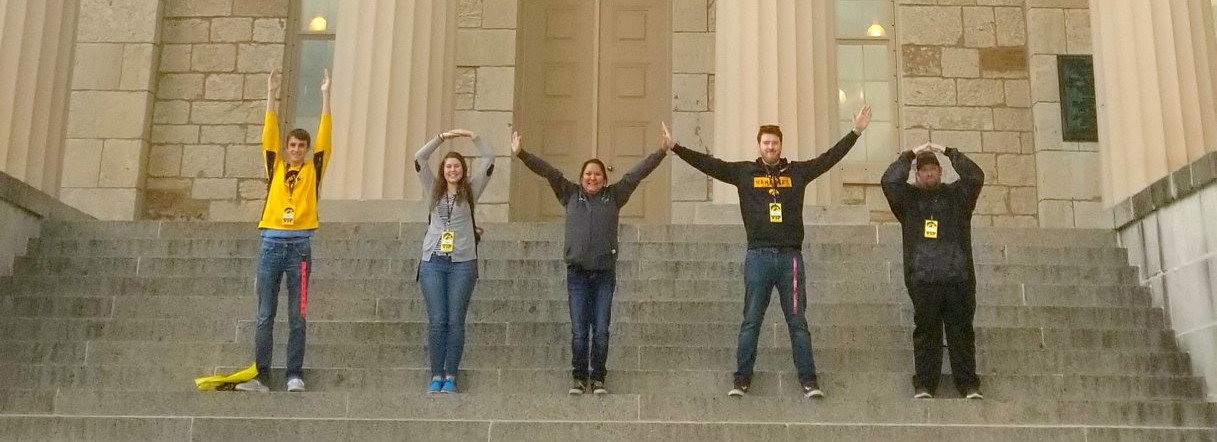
(318, 24)
(876, 30)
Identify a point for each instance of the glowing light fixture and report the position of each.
(318, 24)
(876, 30)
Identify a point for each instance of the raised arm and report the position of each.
(321, 147)
(562, 187)
(971, 177)
(485, 166)
(421, 158)
(270, 125)
(817, 166)
(895, 182)
(630, 181)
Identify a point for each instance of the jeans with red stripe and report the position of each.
(765, 269)
(292, 258)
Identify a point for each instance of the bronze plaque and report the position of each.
(1079, 113)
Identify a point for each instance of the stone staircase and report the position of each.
(105, 325)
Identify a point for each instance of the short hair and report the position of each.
(927, 158)
(302, 135)
(595, 161)
(771, 129)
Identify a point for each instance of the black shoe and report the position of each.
(811, 390)
(598, 388)
(578, 388)
(740, 389)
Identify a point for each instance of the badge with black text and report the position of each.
(289, 216)
(775, 212)
(447, 241)
(931, 229)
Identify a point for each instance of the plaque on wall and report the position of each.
(1079, 113)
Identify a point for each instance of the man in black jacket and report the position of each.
(771, 202)
(936, 222)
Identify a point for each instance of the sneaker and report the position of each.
(598, 388)
(740, 389)
(295, 385)
(252, 385)
(811, 389)
(923, 394)
(435, 386)
(579, 387)
(974, 394)
(449, 386)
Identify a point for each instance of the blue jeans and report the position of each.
(447, 287)
(293, 258)
(765, 269)
(591, 307)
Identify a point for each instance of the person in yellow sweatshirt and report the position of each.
(288, 222)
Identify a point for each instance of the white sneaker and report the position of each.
(923, 394)
(295, 385)
(974, 395)
(253, 385)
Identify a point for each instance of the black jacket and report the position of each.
(752, 180)
(948, 258)
(591, 221)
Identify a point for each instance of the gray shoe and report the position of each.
(253, 386)
(295, 385)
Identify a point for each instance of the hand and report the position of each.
(938, 148)
(273, 81)
(862, 119)
(922, 148)
(515, 144)
(665, 138)
(325, 82)
(455, 133)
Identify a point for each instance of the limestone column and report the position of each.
(110, 115)
(35, 63)
(393, 71)
(1155, 87)
(771, 67)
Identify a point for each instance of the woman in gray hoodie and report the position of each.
(592, 213)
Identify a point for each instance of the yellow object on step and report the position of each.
(224, 382)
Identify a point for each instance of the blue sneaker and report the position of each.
(449, 386)
(435, 386)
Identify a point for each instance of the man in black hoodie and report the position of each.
(936, 222)
(771, 202)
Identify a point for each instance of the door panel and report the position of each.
(572, 107)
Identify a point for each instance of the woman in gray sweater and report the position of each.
(592, 212)
(448, 270)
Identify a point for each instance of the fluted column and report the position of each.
(771, 68)
(393, 88)
(1155, 89)
(35, 64)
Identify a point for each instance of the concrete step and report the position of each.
(499, 310)
(653, 382)
(630, 408)
(202, 429)
(555, 268)
(557, 355)
(504, 249)
(544, 333)
(547, 231)
(1070, 295)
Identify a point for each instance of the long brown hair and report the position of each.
(463, 191)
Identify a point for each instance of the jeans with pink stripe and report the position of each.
(765, 269)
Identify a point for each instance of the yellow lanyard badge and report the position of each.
(931, 228)
(447, 241)
(775, 212)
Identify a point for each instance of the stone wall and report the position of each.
(693, 25)
(1070, 192)
(485, 90)
(113, 81)
(207, 118)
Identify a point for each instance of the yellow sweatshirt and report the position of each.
(291, 204)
